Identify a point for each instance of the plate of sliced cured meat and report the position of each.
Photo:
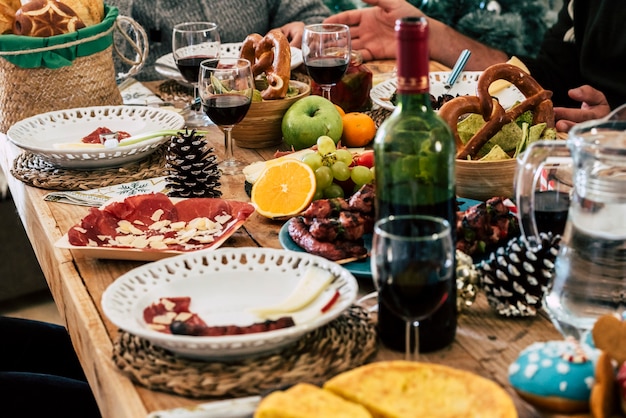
(229, 303)
(152, 226)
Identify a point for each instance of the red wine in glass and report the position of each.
(227, 109)
(189, 67)
(551, 209)
(326, 52)
(326, 70)
(411, 294)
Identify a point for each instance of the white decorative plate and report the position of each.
(166, 66)
(224, 285)
(464, 86)
(42, 133)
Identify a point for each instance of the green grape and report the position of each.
(319, 194)
(361, 175)
(323, 177)
(344, 156)
(373, 170)
(332, 191)
(313, 160)
(341, 171)
(325, 145)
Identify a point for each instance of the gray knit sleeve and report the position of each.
(307, 11)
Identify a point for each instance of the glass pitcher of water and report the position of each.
(590, 268)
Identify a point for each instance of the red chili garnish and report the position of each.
(94, 137)
(331, 302)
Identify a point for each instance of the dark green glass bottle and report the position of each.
(415, 165)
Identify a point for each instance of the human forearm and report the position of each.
(446, 45)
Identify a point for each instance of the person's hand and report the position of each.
(373, 28)
(293, 31)
(594, 106)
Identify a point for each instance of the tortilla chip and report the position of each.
(495, 154)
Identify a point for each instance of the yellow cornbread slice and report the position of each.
(500, 85)
(401, 389)
(308, 401)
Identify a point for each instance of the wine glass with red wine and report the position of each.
(226, 86)
(192, 43)
(412, 261)
(326, 53)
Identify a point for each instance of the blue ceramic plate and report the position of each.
(359, 268)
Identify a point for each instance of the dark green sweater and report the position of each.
(591, 49)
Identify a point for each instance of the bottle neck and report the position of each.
(412, 56)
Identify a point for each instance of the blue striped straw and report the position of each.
(458, 68)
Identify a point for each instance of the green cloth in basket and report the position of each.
(60, 50)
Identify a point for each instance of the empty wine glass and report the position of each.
(226, 86)
(412, 261)
(192, 43)
(326, 53)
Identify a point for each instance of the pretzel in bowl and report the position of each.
(271, 55)
(536, 100)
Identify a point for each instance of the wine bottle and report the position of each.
(415, 164)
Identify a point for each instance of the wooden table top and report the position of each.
(485, 343)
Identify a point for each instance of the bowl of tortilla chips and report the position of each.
(491, 172)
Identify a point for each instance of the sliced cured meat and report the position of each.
(193, 208)
(95, 228)
(173, 316)
(151, 222)
(144, 210)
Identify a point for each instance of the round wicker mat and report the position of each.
(347, 342)
(35, 171)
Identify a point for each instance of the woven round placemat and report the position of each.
(38, 172)
(347, 342)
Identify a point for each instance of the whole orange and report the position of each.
(358, 129)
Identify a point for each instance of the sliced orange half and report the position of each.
(284, 189)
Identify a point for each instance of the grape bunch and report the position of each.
(337, 172)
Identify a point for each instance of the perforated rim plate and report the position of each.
(223, 285)
(39, 134)
(166, 66)
(464, 86)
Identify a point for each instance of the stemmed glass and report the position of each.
(412, 261)
(192, 43)
(226, 86)
(326, 53)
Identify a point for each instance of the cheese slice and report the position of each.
(499, 85)
(312, 284)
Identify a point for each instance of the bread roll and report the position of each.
(7, 14)
(43, 18)
(91, 12)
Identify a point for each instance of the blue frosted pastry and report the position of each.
(555, 376)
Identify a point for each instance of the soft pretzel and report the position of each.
(271, 55)
(537, 100)
(45, 18)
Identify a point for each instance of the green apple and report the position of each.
(308, 119)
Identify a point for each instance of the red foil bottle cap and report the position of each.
(412, 56)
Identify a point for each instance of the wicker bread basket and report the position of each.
(262, 125)
(73, 70)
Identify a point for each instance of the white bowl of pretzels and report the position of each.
(482, 179)
(270, 56)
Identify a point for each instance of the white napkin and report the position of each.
(97, 197)
(135, 93)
